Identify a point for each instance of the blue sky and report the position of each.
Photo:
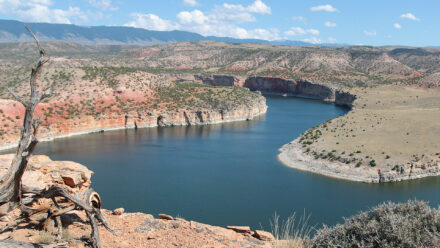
(373, 22)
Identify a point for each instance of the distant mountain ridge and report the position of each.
(12, 31)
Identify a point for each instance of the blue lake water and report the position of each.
(226, 174)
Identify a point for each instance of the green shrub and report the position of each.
(411, 224)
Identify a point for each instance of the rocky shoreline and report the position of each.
(293, 155)
(147, 119)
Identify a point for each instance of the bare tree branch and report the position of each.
(46, 93)
(41, 50)
(10, 183)
(25, 104)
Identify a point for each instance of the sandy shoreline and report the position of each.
(183, 123)
(292, 155)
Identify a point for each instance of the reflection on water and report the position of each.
(112, 141)
(226, 174)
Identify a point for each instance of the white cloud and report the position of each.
(313, 31)
(193, 17)
(40, 11)
(300, 19)
(265, 34)
(410, 16)
(313, 40)
(397, 26)
(151, 21)
(331, 40)
(103, 4)
(296, 31)
(330, 24)
(327, 8)
(223, 20)
(231, 15)
(191, 3)
(257, 7)
(370, 33)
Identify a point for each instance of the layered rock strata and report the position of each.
(274, 85)
(61, 127)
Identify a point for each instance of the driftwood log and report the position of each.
(11, 193)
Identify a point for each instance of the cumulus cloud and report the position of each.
(40, 11)
(190, 3)
(151, 21)
(410, 16)
(296, 31)
(222, 20)
(397, 26)
(313, 40)
(370, 33)
(326, 7)
(313, 31)
(103, 4)
(193, 17)
(257, 7)
(330, 24)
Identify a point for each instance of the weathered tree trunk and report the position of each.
(11, 181)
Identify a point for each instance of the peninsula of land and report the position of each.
(390, 134)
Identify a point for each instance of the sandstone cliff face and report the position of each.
(344, 98)
(218, 80)
(274, 85)
(55, 127)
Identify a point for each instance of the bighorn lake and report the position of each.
(226, 174)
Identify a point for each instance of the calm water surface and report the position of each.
(226, 174)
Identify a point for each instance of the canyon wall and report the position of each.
(218, 80)
(57, 127)
(300, 88)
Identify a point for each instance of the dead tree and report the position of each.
(10, 183)
(11, 195)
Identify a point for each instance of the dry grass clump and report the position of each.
(45, 238)
(291, 233)
(410, 224)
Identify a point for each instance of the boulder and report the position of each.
(240, 229)
(263, 235)
(165, 217)
(71, 179)
(33, 180)
(118, 211)
(42, 172)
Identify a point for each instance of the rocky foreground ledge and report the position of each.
(132, 229)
